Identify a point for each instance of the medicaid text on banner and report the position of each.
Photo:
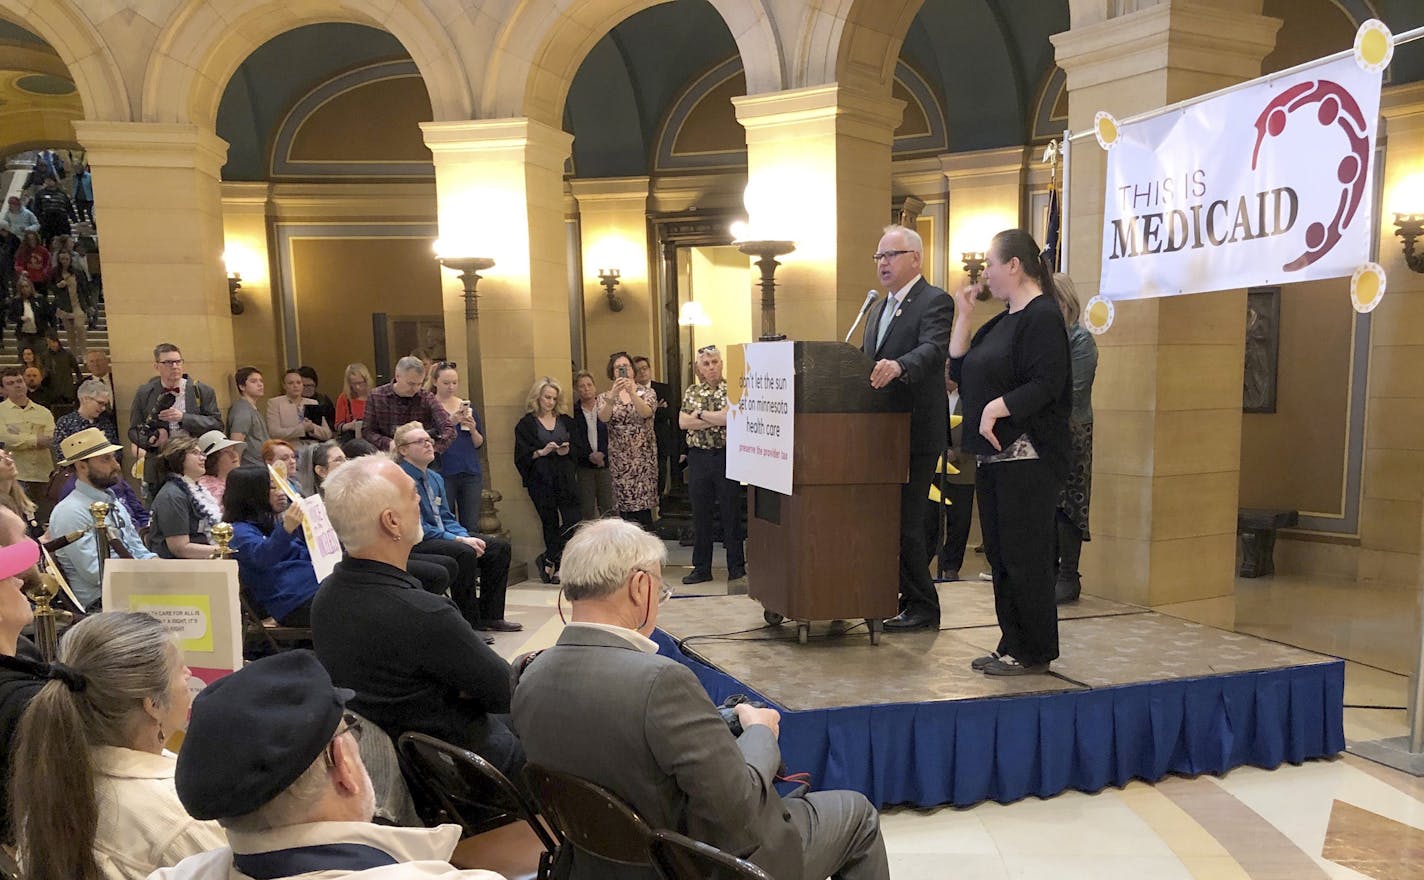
(1265, 184)
(762, 418)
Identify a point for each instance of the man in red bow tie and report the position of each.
(168, 406)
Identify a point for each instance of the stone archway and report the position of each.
(80, 46)
(207, 40)
(540, 49)
(855, 43)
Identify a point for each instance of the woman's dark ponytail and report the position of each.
(1017, 243)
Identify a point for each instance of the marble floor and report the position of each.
(1340, 818)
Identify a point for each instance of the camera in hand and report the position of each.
(729, 713)
(152, 425)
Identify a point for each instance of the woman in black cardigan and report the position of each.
(542, 447)
(1016, 390)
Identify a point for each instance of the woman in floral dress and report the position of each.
(627, 408)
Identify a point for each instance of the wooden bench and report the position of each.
(1256, 538)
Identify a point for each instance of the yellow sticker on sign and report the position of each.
(189, 617)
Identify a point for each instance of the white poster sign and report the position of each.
(1267, 184)
(762, 418)
(322, 543)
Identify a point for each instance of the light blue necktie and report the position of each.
(886, 316)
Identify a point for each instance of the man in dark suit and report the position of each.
(958, 496)
(664, 427)
(602, 705)
(907, 336)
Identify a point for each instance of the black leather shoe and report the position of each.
(907, 621)
(697, 577)
(1065, 591)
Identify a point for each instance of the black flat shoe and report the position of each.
(1010, 666)
(546, 571)
(978, 663)
(908, 621)
(697, 577)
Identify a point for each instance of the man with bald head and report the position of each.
(413, 660)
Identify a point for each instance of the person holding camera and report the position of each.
(459, 464)
(169, 406)
(604, 706)
(627, 408)
(543, 443)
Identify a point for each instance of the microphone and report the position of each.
(864, 309)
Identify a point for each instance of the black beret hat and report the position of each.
(252, 733)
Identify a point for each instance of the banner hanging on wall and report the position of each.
(1268, 184)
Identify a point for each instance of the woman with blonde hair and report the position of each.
(12, 494)
(351, 402)
(1073, 501)
(542, 446)
(91, 785)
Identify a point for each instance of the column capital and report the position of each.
(1214, 40)
(832, 107)
(540, 144)
(152, 145)
(1403, 106)
(610, 192)
(982, 166)
(244, 197)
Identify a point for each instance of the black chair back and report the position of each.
(592, 818)
(678, 857)
(259, 639)
(471, 790)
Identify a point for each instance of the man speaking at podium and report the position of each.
(907, 335)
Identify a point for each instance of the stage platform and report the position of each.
(1135, 694)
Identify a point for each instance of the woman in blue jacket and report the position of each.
(273, 564)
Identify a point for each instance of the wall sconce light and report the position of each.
(609, 279)
(1409, 227)
(974, 265)
(234, 284)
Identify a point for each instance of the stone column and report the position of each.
(819, 159)
(499, 194)
(257, 332)
(1390, 510)
(159, 204)
(1167, 401)
(613, 231)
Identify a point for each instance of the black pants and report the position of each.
(489, 571)
(917, 592)
(643, 518)
(709, 488)
(558, 515)
(1016, 510)
(958, 515)
(436, 573)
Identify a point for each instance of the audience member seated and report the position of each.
(183, 511)
(96, 473)
(220, 456)
(413, 660)
(435, 572)
(22, 672)
(245, 421)
(602, 705)
(351, 402)
(481, 558)
(93, 412)
(324, 412)
(12, 495)
(169, 406)
(26, 429)
(272, 558)
(357, 447)
(92, 785)
(404, 401)
(288, 417)
(280, 452)
(272, 755)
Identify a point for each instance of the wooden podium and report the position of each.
(830, 550)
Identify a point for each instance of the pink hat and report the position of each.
(18, 557)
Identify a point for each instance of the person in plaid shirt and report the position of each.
(401, 401)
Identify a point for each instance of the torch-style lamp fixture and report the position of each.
(234, 284)
(1409, 227)
(767, 252)
(609, 279)
(974, 265)
(470, 269)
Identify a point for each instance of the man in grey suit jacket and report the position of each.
(907, 336)
(602, 705)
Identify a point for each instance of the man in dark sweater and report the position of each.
(412, 659)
